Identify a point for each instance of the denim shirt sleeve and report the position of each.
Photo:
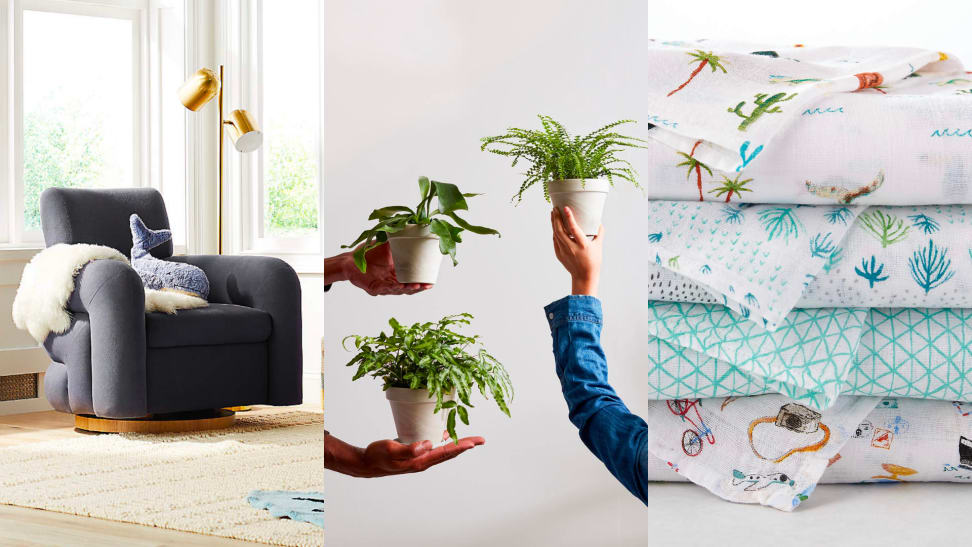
(606, 426)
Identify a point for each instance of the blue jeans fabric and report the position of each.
(608, 429)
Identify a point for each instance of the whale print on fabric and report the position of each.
(845, 195)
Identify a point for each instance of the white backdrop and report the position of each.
(410, 87)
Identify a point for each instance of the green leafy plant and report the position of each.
(554, 154)
(434, 356)
(395, 218)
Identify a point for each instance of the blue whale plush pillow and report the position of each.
(160, 274)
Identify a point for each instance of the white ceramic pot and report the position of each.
(585, 197)
(414, 419)
(415, 251)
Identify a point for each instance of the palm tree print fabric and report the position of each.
(739, 98)
(817, 355)
(909, 146)
(900, 440)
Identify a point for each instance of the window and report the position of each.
(285, 188)
(78, 105)
(83, 104)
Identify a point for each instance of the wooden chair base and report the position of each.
(160, 423)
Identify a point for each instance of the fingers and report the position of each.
(600, 233)
(574, 229)
(559, 230)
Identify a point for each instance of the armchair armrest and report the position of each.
(112, 295)
(271, 285)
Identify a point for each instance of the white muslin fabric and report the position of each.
(901, 440)
(724, 103)
(900, 257)
(765, 449)
(906, 143)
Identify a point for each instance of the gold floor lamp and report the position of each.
(198, 90)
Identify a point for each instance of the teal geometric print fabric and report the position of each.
(702, 350)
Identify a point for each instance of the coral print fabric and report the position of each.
(723, 104)
(767, 450)
(890, 257)
(756, 260)
(901, 440)
(704, 350)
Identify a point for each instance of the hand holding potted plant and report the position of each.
(424, 368)
(419, 237)
(576, 171)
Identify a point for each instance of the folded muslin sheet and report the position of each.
(764, 260)
(704, 350)
(725, 103)
(901, 440)
(903, 145)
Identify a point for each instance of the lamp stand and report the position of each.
(219, 198)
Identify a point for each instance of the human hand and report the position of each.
(579, 255)
(388, 457)
(380, 278)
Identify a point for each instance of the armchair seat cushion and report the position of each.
(214, 325)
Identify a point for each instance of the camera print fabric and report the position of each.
(818, 354)
(900, 440)
(724, 104)
(767, 449)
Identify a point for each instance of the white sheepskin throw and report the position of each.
(48, 281)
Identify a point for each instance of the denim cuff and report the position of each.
(573, 308)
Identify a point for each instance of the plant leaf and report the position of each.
(481, 230)
(450, 198)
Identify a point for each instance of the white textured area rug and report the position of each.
(195, 482)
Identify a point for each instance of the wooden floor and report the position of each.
(21, 526)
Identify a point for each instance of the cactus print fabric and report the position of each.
(725, 103)
(906, 143)
(898, 441)
(704, 350)
(895, 257)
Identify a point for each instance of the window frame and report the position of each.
(133, 11)
(304, 253)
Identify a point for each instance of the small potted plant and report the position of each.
(576, 171)
(428, 367)
(420, 236)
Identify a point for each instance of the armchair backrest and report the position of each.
(100, 217)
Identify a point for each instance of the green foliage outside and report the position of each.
(433, 356)
(59, 151)
(290, 186)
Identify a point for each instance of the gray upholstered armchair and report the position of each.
(116, 361)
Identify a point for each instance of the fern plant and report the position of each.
(395, 218)
(553, 154)
(435, 357)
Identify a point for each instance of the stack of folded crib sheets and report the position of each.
(810, 299)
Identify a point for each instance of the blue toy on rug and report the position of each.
(160, 274)
(299, 506)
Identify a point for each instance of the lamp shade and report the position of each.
(243, 131)
(199, 89)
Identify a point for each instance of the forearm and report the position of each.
(608, 429)
(335, 268)
(342, 457)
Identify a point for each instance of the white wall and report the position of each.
(410, 87)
